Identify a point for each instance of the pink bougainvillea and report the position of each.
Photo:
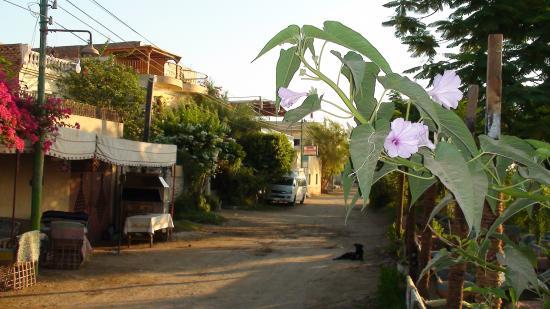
(21, 118)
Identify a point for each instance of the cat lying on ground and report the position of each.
(354, 256)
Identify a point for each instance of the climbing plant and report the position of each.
(438, 148)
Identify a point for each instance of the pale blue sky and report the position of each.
(219, 38)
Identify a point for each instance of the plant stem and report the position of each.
(318, 62)
(337, 89)
(337, 116)
(416, 176)
(408, 110)
(373, 116)
(336, 105)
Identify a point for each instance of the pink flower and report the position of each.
(19, 144)
(423, 135)
(405, 138)
(289, 97)
(446, 90)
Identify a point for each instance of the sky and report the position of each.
(218, 38)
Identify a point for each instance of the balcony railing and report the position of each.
(81, 109)
(54, 66)
(170, 69)
(185, 74)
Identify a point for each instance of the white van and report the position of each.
(289, 189)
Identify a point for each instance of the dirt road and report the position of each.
(280, 258)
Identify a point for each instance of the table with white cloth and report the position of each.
(148, 224)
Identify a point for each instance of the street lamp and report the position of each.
(38, 160)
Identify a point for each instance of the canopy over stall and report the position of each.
(131, 153)
(72, 144)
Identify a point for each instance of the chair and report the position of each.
(5, 232)
(21, 272)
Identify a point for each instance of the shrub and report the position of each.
(390, 293)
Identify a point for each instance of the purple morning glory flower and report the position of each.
(406, 137)
(289, 97)
(423, 135)
(445, 89)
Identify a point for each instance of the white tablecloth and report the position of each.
(147, 223)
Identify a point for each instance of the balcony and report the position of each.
(170, 76)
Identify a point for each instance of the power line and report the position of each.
(85, 23)
(38, 14)
(101, 24)
(156, 63)
(124, 23)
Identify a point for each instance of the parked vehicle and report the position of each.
(289, 189)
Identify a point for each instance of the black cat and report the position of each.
(354, 256)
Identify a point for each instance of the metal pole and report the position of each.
(38, 161)
(148, 109)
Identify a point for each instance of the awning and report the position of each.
(131, 153)
(72, 144)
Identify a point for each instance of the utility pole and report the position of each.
(38, 161)
(148, 109)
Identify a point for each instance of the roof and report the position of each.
(128, 48)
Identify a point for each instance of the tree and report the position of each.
(463, 26)
(104, 83)
(332, 142)
(270, 155)
(202, 142)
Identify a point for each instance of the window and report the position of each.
(296, 142)
(316, 179)
(309, 179)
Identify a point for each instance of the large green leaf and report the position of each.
(383, 171)
(290, 34)
(385, 111)
(347, 180)
(519, 270)
(336, 32)
(354, 67)
(542, 148)
(517, 206)
(454, 127)
(508, 148)
(311, 103)
(366, 145)
(418, 186)
(364, 96)
(467, 183)
(288, 64)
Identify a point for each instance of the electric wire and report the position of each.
(95, 20)
(38, 14)
(85, 23)
(124, 23)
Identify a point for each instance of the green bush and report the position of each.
(196, 208)
(390, 293)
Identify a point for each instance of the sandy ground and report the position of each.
(279, 258)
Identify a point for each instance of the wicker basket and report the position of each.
(18, 276)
